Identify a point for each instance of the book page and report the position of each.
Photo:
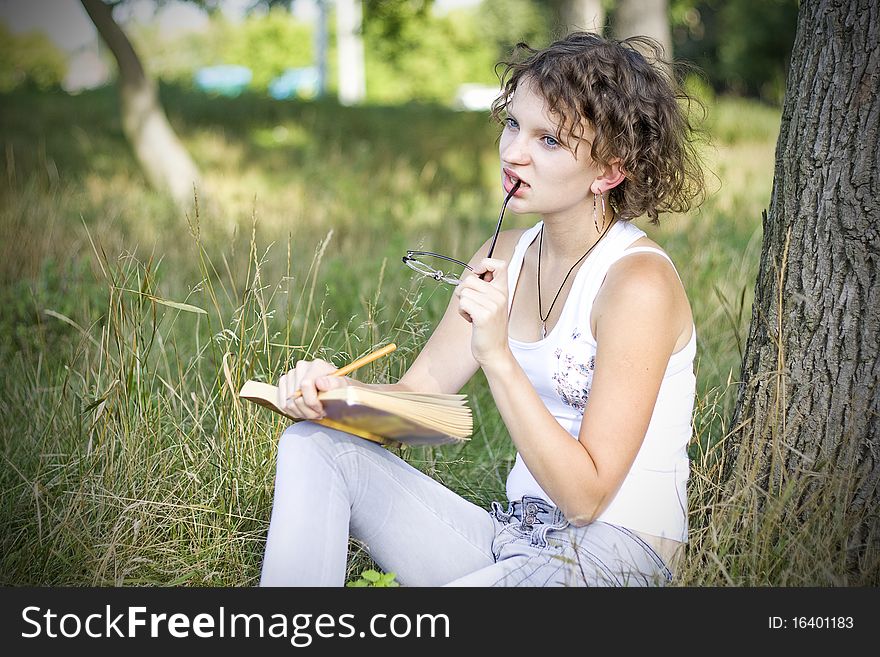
(406, 417)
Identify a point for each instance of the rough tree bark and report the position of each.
(163, 159)
(648, 18)
(808, 402)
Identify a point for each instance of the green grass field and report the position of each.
(127, 458)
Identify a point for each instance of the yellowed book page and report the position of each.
(455, 421)
(391, 426)
(442, 419)
(409, 418)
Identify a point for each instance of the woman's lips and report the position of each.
(509, 180)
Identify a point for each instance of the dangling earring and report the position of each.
(595, 219)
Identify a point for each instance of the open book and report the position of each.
(408, 418)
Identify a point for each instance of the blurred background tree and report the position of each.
(570, 15)
(417, 54)
(163, 158)
(508, 22)
(648, 18)
(29, 59)
(744, 47)
(268, 44)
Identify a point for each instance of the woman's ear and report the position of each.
(610, 177)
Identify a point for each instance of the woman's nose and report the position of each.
(514, 150)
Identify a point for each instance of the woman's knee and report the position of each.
(302, 438)
(305, 440)
(300, 431)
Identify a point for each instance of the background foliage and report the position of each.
(416, 54)
(29, 60)
(743, 46)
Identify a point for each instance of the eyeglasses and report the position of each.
(428, 264)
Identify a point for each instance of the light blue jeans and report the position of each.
(331, 485)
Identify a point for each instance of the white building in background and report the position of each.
(475, 97)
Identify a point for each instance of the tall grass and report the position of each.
(128, 327)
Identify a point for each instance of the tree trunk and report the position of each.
(321, 46)
(808, 403)
(648, 18)
(163, 159)
(350, 45)
(579, 15)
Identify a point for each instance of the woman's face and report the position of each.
(555, 181)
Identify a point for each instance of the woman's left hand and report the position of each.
(484, 304)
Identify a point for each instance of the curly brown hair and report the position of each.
(632, 104)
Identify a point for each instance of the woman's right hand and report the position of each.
(311, 377)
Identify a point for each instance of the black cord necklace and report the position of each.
(579, 260)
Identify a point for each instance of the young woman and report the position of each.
(584, 332)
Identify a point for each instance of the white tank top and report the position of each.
(653, 496)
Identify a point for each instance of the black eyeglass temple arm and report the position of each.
(411, 255)
(500, 219)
